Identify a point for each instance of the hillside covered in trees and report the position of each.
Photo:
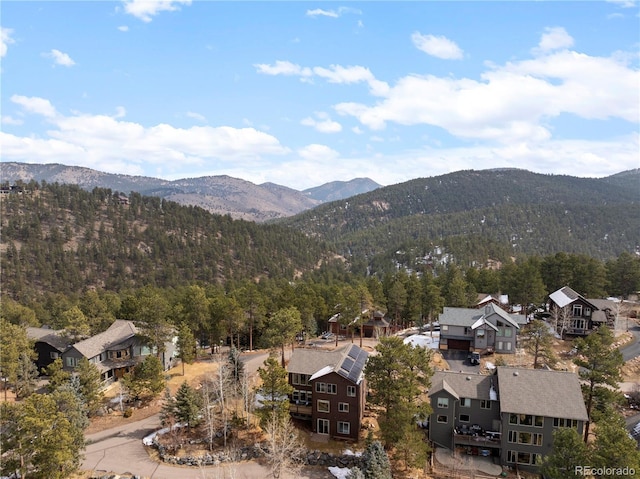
(476, 215)
(64, 239)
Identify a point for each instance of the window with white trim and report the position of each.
(344, 427)
(323, 406)
(443, 403)
(464, 418)
(343, 407)
(442, 419)
(465, 402)
(351, 391)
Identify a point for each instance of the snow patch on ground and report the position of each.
(424, 341)
(340, 472)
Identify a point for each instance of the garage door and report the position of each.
(458, 344)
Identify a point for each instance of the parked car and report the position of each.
(474, 358)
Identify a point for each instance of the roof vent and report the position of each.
(468, 378)
(515, 373)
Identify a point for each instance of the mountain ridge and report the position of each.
(220, 194)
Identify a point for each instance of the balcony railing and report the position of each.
(300, 407)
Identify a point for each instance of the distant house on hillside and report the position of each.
(488, 329)
(115, 351)
(501, 300)
(329, 389)
(580, 315)
(49, 344)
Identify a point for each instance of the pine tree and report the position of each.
(90, 385)
(377, 465)
(57, 375)
(186, 345)
(26, 377)
(613, 448)
(274, 390)
(538, 341)
(187, 405)
(146, 379)
(599, 364)
(568, 452)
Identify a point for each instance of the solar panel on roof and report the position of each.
(347, 364)
(353, 353)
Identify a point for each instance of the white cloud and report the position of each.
(36, 105)
(283, 68)
(123, 28)
(624, 3)
(196, 116)
(101, 141)
(316, 152)
(323, 124)
(553, 38)
(319, 12)
(509, 102)
(333, 74)
(146, 9)
(60, 58)
(9, 120)
(5, 40)
(437, 46)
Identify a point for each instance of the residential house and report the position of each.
(329, 389)
(488, 329)
(376, 326)
(510, 415)
(49, 344)
(501, 300)
(115, 351)
(580, 316)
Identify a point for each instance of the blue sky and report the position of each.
(303, 93)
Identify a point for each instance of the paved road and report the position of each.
(120, 450)
(633, 349)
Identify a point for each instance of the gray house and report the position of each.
(509, 415)
(115, 351)
(487, 329)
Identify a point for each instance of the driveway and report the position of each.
(458, 361)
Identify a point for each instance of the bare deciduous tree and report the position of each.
(285, 452)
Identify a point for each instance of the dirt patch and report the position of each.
(193, 373)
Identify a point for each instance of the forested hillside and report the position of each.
(64, 239)
(475, 215)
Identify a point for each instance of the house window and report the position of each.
(464, 418)
(587, 312)
(72, 362)
(579, 324)
(344, 427)
(443, 403)
(332, 389)
(351, 391)
(323, 426)
(323, 406)
(538, 421)
(321, 387)
(524, 438)
(513, 436)
(513, 418)
(480, 333)
(499, 347)
(442, 419)
(577, 310)
(524, 458)
(507, 346)
(485, 404)
(445, 327)
(511, 456)
(537, 439)
(465, 402)
(525, 419)
(507, 332)
(301, 396)
(466, 331)
(343, 406)
(54, 355)
(561, 422)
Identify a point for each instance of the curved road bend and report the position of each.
(120, 450)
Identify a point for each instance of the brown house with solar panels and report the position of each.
(329, 389)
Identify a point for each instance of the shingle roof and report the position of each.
(348, 361)
(541, 392)
(49, 336)
(468, 316)
(118, 332)
(462, 385)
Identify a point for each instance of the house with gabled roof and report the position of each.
(582, 315)
(510, 415)
(115, 351)
(501, 300)
(49, 345)
(488, 329)
(329, 389)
